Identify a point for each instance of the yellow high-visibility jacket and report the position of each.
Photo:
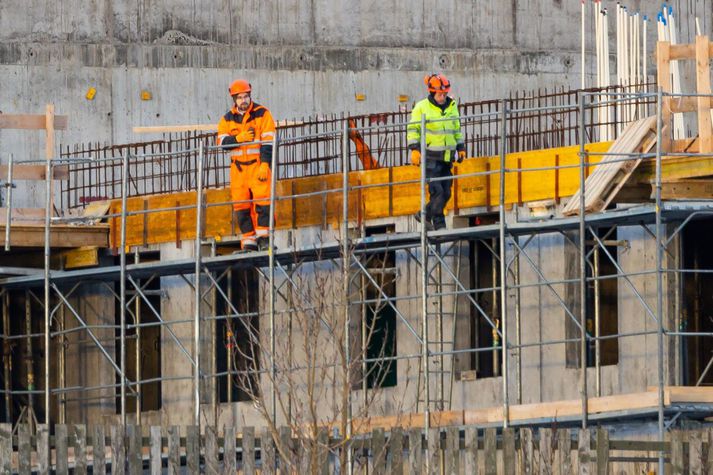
(444, 137)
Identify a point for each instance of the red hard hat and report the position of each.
(437, 83)
(239, 86)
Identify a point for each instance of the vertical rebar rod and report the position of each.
(48, 217)
(122, 283)
(137, 348)
(659, 275)
(6, 354)
(197, 288)
(597, 323)
(503, 268)
(424, 294)
(346, 263)
(8, 202)
(271, 268)
(582, 265)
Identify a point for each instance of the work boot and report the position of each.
(249, 246)
(429, 225)
(439, 223)
(263, 243)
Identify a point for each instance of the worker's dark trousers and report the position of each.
(439, 191)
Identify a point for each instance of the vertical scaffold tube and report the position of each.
(271, 269)
(197, 288)
(582, 265)
(48, 218)
(122, 284)
(346, 263)
(503, 268)
(424, 294)
(659, 275)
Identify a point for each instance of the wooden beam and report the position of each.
(61, 236)
(689, 104)
(703, 86)
(663, 60)
(86, 256)
(682, 51)
(34, 172)
(687, 189)
(31, 121)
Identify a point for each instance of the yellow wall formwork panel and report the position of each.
(375, 194)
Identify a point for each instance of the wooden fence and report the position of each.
(453, 450)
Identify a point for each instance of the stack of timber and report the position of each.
(615, 168)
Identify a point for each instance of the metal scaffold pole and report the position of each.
(659, 276)
(503, 268)
(271, 266)
(48, 219)
(582, 264)
(197, 288)
(424, 293)
(346, 264)
(122, 283)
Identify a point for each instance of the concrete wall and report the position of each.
(302, 56)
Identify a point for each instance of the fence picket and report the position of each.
(79, 436)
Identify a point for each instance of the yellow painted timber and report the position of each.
(85, 256)
(397, 195)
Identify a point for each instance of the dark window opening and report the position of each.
(697, 302)
(477, 331)
(379, 323)
(603, 297)
(237, 345)
(143, 345)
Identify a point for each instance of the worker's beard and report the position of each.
(243, 106)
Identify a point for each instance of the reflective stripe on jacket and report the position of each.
(260, 120)
(443, 137)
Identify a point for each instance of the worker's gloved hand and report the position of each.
(263, 171)
(416, 157)
(246, 135)
(461, 156)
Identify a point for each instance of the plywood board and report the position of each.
(31, 121)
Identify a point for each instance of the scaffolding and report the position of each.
(347, 251)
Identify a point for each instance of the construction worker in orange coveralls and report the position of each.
(247, 122)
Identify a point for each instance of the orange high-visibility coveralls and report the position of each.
(253, 218)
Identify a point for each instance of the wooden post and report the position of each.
(452, 451)
(49, 144)
(378, 451)
(79, 436)
(471, 450)
(323, 453)
(583, 452)
(602, 451)
(98, 450)
(414, 450)
(509, 455)
(6, 448)
(156, 450)
(703, 86)
(434, 450)
(286, 442)
(193, 449)
(267, 453)
(546, 455)
(174, 450)
(248, 450)
(212, 466)
(490, 449)
(118, 457)
(677, 462)
(43, 450)
(528, 451)
(564, 447)
(24, 450)
(134, 450)
(396, 450)
(663, 60)
(61, 452)
(696, 461)
(229, 462)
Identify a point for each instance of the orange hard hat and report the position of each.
(239, 86)
(437, 83)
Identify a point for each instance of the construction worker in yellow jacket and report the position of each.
(241, 130)
(444, 145)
